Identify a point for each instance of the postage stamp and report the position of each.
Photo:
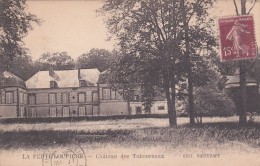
(237, 38)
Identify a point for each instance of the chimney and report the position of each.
(51, 72)
(79, 77)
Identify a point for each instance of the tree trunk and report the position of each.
(188, 62)
(190, 95)
(243, 105)
(173, 95)
(242, 70)
(171, 107)
(172, 118)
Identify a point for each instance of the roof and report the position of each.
(104, 77)
(63, 78)
(233, 81)
(9, 79)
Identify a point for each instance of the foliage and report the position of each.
(212, 101)
(151, 32)
(95, 58)
(145, 30)
(23, 67)
(15, 23)
(56, 61)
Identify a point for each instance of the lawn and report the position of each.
(216, 135)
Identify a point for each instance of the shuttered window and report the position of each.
(65, 98)
(53, 112)
(24, 98)
(33, 113)
(106, 93)
(95, 110)
(81, 97)
(89, 96)
(22, 113)
(95, 96)
(82, 111)
(21, 97)
(52, 98)
(89, 109)
(66, 112)
(9, 97)
(113, 95)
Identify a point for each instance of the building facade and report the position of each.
(65, 93)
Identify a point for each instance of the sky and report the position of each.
(76, 28)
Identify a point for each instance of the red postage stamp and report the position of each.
(237, 38)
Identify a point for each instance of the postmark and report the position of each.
(237, 38)
(67, 156)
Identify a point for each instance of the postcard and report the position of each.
(129, 82)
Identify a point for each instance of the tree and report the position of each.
(147, 31)
(211, 100)
(95, 58)
(22, 66)
(15, 23)
(196, 34)
(57, 61)
(152, 32)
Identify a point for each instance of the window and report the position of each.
(82, 111)
(106, 93)
(82, 83)
(66, 112)
(118, 95)
(113, 95)
(53, 84)
(33, 113)
(24, 98)
(89, 96)
(21, 112)
(89, 109)
(53, 112)
(32, 99)
(65, 98)
(21, 97)
(52, 98)
(138, 110)
(95, 96)
(81, 97)
(9, 97)
(136, 98)
(95, 110)
(161, 107)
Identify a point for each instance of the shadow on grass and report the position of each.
(207, 134)
(224, 125)
(48, 138)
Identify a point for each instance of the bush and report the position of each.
(213, 102)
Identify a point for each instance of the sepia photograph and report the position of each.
(129, 82)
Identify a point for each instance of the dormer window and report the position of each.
(136, 98)
(82, 83)
(53, 84)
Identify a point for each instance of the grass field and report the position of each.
(221, 135)
(136, 132)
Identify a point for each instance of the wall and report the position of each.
(9, 110)
(43, 104)
(113, 108)
(114, 105)
(154, 108)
